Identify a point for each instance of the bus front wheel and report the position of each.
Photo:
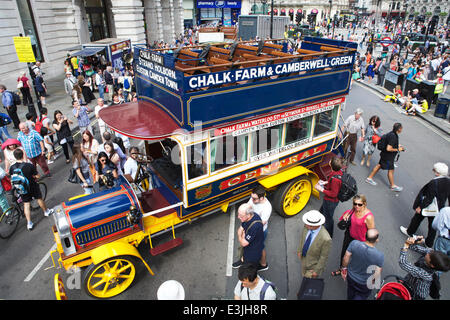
(292, 196)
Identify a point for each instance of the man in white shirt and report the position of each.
(353, 124)
(101, 123)
(130, 167)
(251, 286)
(261, 205)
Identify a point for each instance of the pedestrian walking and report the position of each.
(441, 223)
(109, 81)
(353, 124)
(390, 150)
(81, 113)
(85, 85)
(101, 124)
(23, 84)
(44, 122)
(29, 174)
(69, 82)
(384, 66)
(422, 273)
(261, 206)
(41, 88)
(62, 127)
(330, 189)
(438, 188)
(315, 244)
(81, 165)
(251, 286)
(360, 219)
(10, 105)
(359, 258)
(33, 144)
(250, 236)
(373, 128)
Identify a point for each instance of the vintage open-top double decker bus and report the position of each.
(216, 120)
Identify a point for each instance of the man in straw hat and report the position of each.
(315, 244)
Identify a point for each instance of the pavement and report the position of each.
(439, 123)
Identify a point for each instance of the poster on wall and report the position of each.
(227, 17)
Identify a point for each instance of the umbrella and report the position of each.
(10, 142)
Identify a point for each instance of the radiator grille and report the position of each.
(102, 231)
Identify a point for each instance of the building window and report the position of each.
(97, 19)
(325, 122)
(29, 27)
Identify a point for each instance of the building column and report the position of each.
(129, 20)
(168, 21)
(153, 18)
(179, 17)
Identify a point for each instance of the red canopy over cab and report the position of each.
(140, 120)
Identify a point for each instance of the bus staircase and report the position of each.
(150, 201)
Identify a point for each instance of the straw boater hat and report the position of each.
(313, 218)
(171, 290)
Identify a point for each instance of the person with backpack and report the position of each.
(127, 82)
(10, 103)
(44, 122)
(251, 286)
(359, 220)
(330, 190)
(389, 147)
(23, 178)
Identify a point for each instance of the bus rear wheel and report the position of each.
(292, 196)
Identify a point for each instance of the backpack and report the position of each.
(266, 285)
(20, 182)
(39, 124)
(382, 144)
(16, 98)
(4, 119)
(126, 84)
(348, 187)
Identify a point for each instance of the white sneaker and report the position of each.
(50, 161)
(371, 181)
(404, 230)
(30, 225)
(48, 212)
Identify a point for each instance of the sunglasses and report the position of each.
(358, 204)
(102, 160)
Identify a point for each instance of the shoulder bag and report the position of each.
(345, 224)
(73, 177)
(432, 210)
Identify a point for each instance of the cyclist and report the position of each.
(30, 187)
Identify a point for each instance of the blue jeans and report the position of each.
(4, 130)
(125, 95)
(357, 291)
(327, 209)
(443, 245)
(101, 91)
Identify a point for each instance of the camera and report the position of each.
(417, 239)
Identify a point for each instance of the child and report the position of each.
(29, 122)
(48, 145)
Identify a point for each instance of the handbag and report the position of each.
(311, 289)
(432, 210)
(20, 84)
(6, 183)
(73, 177)
(375, 138)
(345, 225)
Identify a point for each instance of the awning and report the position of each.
(139, 120)
(86, 52)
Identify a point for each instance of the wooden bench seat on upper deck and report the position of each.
(187, 59)
(217, 61)
(269, 47)
(244, 49)
(279, 54)
(218, 52)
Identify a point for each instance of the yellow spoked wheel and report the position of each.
(110, 278)
(292, 196)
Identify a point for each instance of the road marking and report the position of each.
(40, 264)
(229, 271)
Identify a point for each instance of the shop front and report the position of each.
(218, 12)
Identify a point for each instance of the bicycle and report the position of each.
(9, 220)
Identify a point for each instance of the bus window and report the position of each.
(266, 139)
(325, 121)
(227, 151)
(298, 130)
(196, 160)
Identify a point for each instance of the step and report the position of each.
(166, 246)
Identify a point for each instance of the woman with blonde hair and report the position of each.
(361, 219)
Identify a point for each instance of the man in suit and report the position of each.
(315, 244)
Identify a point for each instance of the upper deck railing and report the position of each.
(204, 83)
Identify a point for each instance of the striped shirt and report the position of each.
(31, 143)
(418, 279)
(83, 118)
